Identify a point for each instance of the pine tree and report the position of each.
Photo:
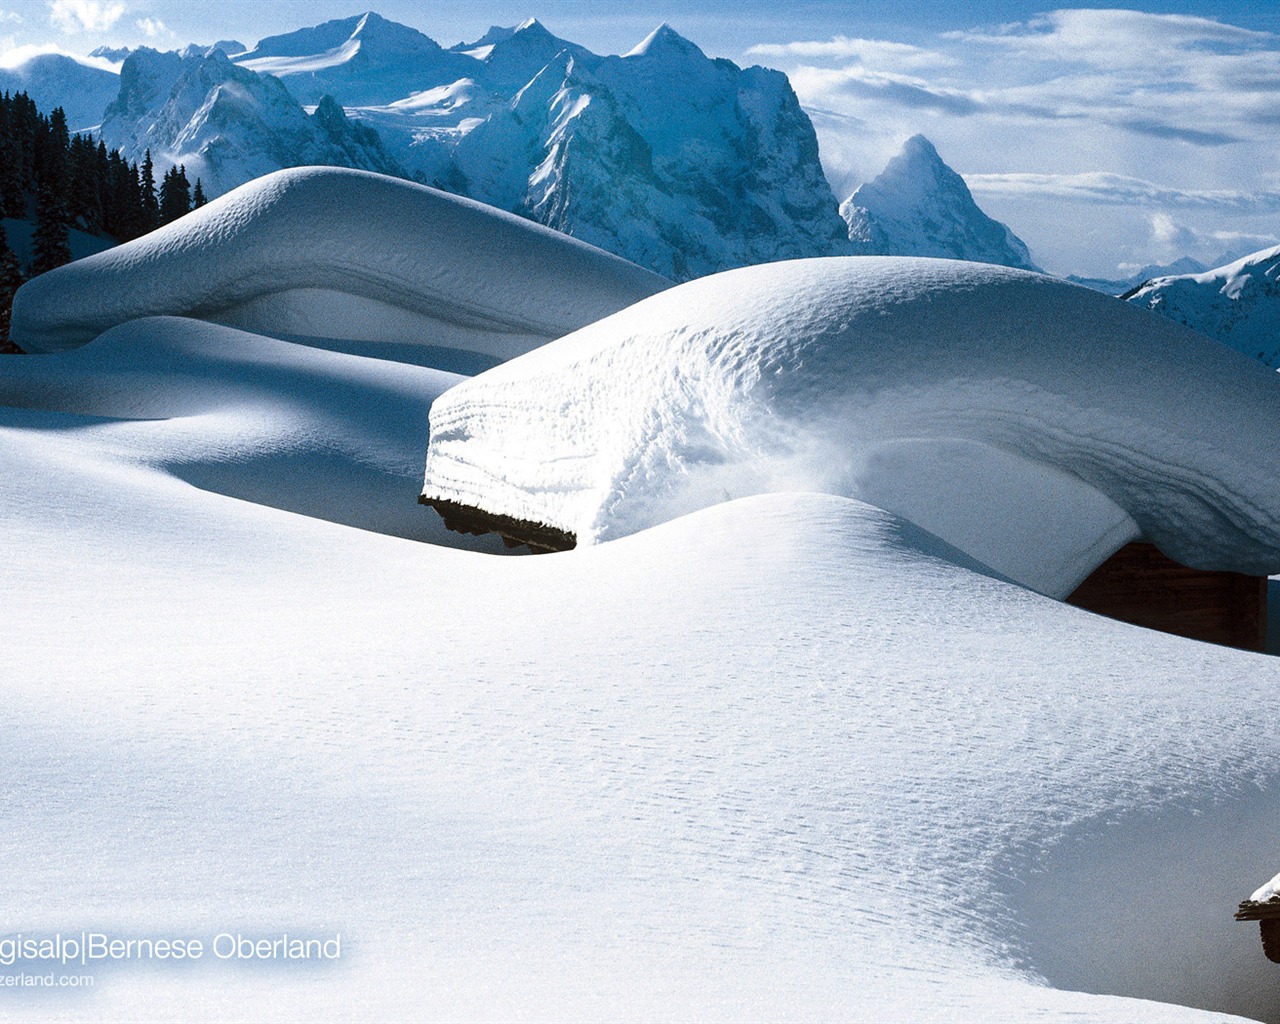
(13, 200)
(10, 282)
(50, 242)
(197, 197)
(175, 195)
(150, 217)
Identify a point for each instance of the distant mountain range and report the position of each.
(680, 162)
(1238, 304)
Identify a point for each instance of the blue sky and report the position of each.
(1105, 138)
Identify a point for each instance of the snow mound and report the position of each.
(336, 253)
(1238, 304)
(1035, 425)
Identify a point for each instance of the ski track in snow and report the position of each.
(786, 757)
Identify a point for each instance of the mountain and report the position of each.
(228, 124)
(918, 206)
(362, 60)
(117, 54)
(82, 88)
(681, 163)
(674, 160)
(1118, 286)
(1238, 304)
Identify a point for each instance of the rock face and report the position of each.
(1238, 304)
(918, 206)
(228, 124)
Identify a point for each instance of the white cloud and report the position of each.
(72, 16)
(1118, 189)
(11, 56)
(1114, 37)
(13, 17)
(881, 52)
(153, 27)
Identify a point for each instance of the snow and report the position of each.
(82, 86)
(363, 60)
(918, 206)
(1268, 892)
(787, 757)
(343, 254)
(1017, 417)
(1238, 304)
(228, 124)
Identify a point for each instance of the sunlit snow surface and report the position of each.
(336, 253)
(1034, 424)
(789, 757)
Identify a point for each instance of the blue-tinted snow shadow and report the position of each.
(435, 357)
(1142, 905)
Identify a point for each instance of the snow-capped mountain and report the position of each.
(82, 87)
(363, 60)
(118, 54)
(228, 124)
(1238, 304)
(918, 206)
(684, 164)
(681, 163)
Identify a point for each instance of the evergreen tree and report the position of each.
(10, 282)
(175, 195)
(150, 217)
(197, 197)
(13, 200)
(50, 242)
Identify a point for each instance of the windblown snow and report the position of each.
(791, 756)
(341, 254)
(1017, 417)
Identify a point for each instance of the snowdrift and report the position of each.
(1035, 425)
(324, 434)
(336, 253)
(1239, 304)
(788, 757)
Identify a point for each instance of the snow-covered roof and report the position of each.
(337, 253)
(1036, 425)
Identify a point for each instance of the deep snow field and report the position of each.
(785, 757)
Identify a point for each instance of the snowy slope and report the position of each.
(227, 124)
(918, 206)
(81, 86)
(788, 758)
(1238, 304)
(1013, 415)
(340, 254)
